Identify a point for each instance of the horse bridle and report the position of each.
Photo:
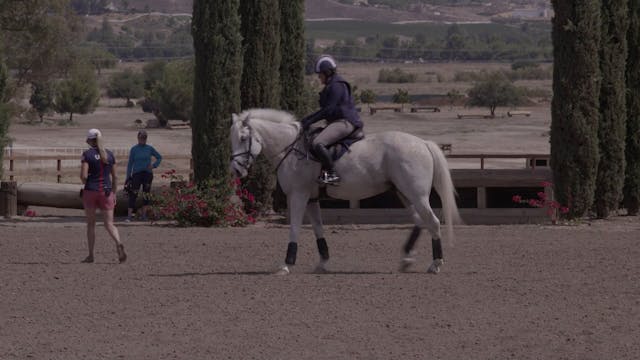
(249, 157)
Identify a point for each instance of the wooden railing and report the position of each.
(531, 161)
(12, 172)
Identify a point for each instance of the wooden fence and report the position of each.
(481, 184)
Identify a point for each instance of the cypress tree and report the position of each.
(293, 56)
(632, 150)
(218, 67)
(260, 86)
(4, 116)
(575, 114)
(613, 117)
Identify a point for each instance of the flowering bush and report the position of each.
(543, 201)
(213, 203)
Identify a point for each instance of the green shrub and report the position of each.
(396, 75)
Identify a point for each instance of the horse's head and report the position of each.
(245, 145)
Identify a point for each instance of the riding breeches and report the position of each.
(333, 133)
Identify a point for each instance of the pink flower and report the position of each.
(546, 184)
(542, 195)
(516, 198)
(564, 209)
(534, 203)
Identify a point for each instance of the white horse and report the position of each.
(379, 162)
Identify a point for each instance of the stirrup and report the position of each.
(328, 178)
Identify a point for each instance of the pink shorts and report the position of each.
(97, 200)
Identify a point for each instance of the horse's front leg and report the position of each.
(297, 202)
(313, 211)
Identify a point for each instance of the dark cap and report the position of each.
(142, 134)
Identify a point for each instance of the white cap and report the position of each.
(93, 134)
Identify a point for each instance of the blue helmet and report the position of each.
(325, 65)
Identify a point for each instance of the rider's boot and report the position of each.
(328, 175)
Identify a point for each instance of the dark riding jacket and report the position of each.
(336, 103)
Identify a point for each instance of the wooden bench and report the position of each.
(516, 113)
(475, 116)
(415, 109)
(178, 124)
(379, 108)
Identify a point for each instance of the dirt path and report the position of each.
(508, 292)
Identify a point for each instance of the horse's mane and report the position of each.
(272, 115)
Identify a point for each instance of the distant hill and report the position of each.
(480, 11)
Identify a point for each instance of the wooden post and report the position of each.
(59, 167)
(482, 197)
(8, 199)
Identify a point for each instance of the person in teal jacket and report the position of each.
(140, 173)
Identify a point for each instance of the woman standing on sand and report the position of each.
(99, 176)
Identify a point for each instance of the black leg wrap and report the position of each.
(292, 252)
(323, 249)
(411, 242)
(436, 246)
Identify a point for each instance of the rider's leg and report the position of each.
(333, 133)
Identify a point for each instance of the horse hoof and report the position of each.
(435, 266)
(406, 263)
(283, 271)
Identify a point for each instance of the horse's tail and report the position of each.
(444, 187)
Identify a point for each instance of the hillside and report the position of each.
(333, 9)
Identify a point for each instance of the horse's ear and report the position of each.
(234, 118)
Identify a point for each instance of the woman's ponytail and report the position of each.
(103, 153)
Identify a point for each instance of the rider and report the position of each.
(338, 108)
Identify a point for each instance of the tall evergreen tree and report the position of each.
(260, 86)
(632, 150)
(4, 116)
(218, 67)
(293, 56)
(576, 88)
(613, 114)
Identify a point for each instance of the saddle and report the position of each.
(337, 149)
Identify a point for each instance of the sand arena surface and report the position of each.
(505, 292)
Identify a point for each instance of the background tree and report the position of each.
(293, 56)
(36, 37)
(632, 150)
(495, 90)
(574, 108)
(79, 93)
(128, 85)
(172, 97)
(218, 69)
(368, 96)
(41, 100)
(4, 115)
(613, 114)
(401, 97)
(260, 86)
(454, 95)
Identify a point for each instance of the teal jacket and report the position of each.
(140, 159)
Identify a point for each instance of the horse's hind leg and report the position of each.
(313, 211)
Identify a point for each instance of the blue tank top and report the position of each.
(99, 177)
